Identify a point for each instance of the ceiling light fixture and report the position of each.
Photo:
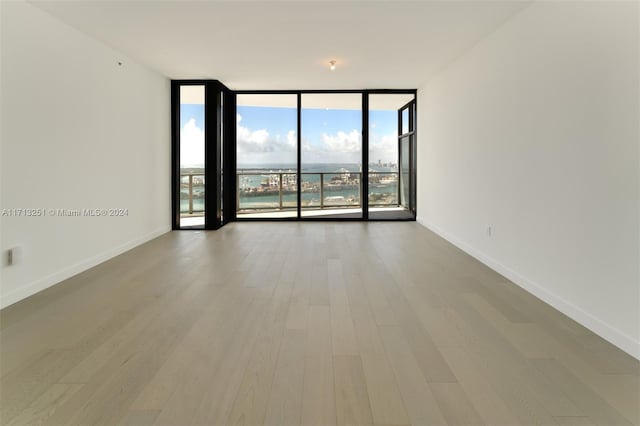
(333, 64)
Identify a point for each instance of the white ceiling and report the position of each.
(288, 44)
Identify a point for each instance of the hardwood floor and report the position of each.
(304, 323)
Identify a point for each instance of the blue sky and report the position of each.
(267, 135)
(192, 111)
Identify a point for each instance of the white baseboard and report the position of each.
(599, 327)
(36, 286)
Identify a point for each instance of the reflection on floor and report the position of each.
(191, 221)
(378, 213)
(391, 214)
(374, 213)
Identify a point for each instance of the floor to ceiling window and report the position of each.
(389, 156)
(267, 159)
(331, 166)
(198, 136)
(291, 155)
(191, 147)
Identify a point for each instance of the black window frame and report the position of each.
(214, 91)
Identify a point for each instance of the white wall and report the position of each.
(535, 132)
(77, 131)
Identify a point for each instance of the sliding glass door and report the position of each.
(280, 175)
(304, 155)
(331, 152)
(267, 159)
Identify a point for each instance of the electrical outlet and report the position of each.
(14, 256)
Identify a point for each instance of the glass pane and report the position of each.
(405, 121)
(384, 177)
(413, 177)
(267, 155)
(192, 156)
(331, 155)
(404, 171)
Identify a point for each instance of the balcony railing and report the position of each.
(322, 190)
(191, 194)
(260, 191)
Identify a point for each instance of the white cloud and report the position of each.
(261, 147)
(383, 148)
(191, 144)
(259, 141)
(340, 147)
(291, 139)
(342, 141)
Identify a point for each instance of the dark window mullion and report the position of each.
(299, 154)
(175, 155)
(364, 176)
(210, 155)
